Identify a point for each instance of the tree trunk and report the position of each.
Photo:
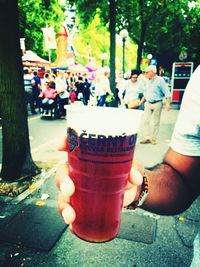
(142, 35)
(17, 161)
(112, 48)
(139, 51)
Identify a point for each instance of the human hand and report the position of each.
(167, 107)
(66, 190)
(167, 104)
(134, 184)
(66, 187)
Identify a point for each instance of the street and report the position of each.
(46, 133)
(43, 130)
(43, 133)
(145, 239)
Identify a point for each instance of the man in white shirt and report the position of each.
(133, 88)
(102, 85)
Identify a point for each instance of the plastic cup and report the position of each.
(101, 145)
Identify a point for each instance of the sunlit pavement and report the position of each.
(158, 241)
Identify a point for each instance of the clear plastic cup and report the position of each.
(101, 145)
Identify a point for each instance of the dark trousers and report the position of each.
(62, 103)
(30, 101)
(102, 100)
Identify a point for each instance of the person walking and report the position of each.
(133, 88)
(120, 88)
(86, 92)
(155, 91)
(28, 87)
(36, 89)
(79, 88)
(102, 86)
(63, 94)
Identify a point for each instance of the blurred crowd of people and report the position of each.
(60, 88)
(56, 87)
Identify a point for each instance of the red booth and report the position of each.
(181, 73)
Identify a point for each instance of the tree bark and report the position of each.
(142, 35)
(112, 47)
(140, 50)
(17, 162)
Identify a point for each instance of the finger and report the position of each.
(138, 166)
(68, 214)
(129, 196)
(61, 174)
(62, 202)
(63, 181)
(134, 184)
(63, 145)
(71, 227)
(65, 209)
(135, 177)
(67, 187)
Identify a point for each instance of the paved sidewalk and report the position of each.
(145, 239)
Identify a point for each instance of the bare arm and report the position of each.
(142, 100)
(174, 184)
(167, 105)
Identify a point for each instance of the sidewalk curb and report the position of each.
(38, 184)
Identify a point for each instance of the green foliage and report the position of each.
(167, 25)
(91, 41)
(93, 36)
(35, 15)
(162, 28)
(159, 27)
(94, 40)
(87, 9)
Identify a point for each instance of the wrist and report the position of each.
(141, 194)
(138, 193)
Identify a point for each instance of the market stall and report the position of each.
(31, 59)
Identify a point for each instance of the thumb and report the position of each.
(63, 145)
(133, 188)
(135, 177)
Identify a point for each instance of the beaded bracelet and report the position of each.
(142, 196)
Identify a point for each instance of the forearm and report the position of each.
(168, 100)
(142, 100)
(168, 192)
(167, 104)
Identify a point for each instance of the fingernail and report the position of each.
(68, 214)
(64, 187)
(65, 215)
(138, 179)
(67, 187)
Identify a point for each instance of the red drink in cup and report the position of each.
(99, 163)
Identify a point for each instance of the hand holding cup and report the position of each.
(66, 187)
(101, 144)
